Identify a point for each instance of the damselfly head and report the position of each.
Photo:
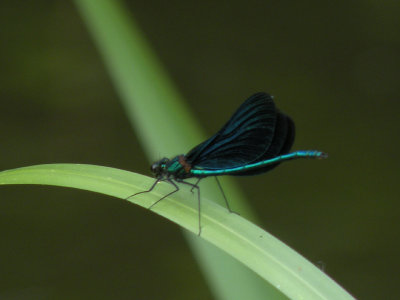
(158, 168)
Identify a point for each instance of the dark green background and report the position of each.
(334, 66)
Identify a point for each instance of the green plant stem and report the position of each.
(166, 127)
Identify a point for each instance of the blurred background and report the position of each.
(334, 67)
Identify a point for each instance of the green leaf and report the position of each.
(166, 127)
(248, 243)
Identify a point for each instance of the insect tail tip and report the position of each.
(323, 155)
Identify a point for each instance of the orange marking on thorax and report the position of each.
(186, 166)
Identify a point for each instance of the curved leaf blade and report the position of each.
(254, 247)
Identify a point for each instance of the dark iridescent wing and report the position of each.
(243, 139)
(282, 142)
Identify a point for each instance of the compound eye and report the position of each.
(154, 168)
